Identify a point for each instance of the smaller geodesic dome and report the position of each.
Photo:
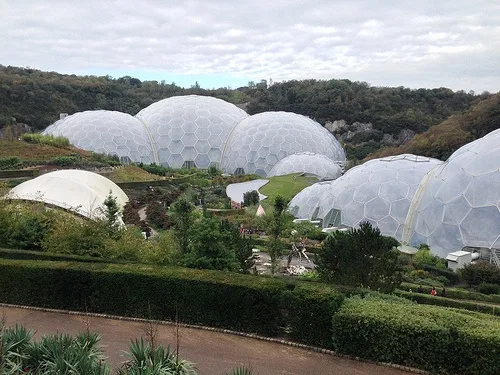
(78, 191)
(107, 132)
(308, 163)
(258, 142)
(460, 203)
(305, 204)
(190, 131)
(379, 191)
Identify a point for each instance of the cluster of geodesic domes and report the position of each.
(446, 205)
(199, 131)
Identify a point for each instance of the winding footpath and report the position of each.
(212, 352)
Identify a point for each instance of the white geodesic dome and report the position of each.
(460, 203)
(78, 191)
(309, 163)
(258, 142)
(108, 132)
(305, 204)
(190, 131)
(379, 191)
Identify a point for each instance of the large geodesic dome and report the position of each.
(305, 204)
(78, 191)
(308, 163)
(258, 142)
(379, 191)
(190, 131)
(107, 132)
(460, 203)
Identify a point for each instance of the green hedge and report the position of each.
(309, 313)
(427, 337)
(455, 293)
(268, 306)
(19, 173)
(427, 299)
(449, 274)
(40, 255)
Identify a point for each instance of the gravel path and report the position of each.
(213, 352)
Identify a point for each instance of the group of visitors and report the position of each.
(433, 291)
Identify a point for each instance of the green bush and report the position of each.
(456, 293)
(423, 256)
(41, 255)
(220, 299)
(427, 299)
(488, 288)
(309, 310)
(480, 272)
(451, 276)
(428, 337)
(49, 139)
(10, 162)
(66, 161)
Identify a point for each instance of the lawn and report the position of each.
(288, 186)
(131, 173)
(37, 152)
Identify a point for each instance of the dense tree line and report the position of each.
(36, 98)
(442, 140)
(390, 109)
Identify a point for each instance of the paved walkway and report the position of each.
(214, 353)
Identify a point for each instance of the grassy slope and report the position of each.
(288, 186)
(131, 173)
(37, 152)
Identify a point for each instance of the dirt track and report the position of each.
(214, 353)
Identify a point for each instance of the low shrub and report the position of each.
(456, 293)
(41, 255)
(488, 288)
(66, 161)
(309, 309)
(10, 162)
(480, 272)
(427, 299)
(451, 277)
(49, 139)
(428, 337)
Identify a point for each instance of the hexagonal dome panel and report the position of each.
(101, 131)
(184, 120)
(459, 205)
(376, 191)
(254, 133)
(305, 203)
(305, 162)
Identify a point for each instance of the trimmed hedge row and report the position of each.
(428, 337)
(40, 255)
(455, 293)
(268, 306)
(427, 299)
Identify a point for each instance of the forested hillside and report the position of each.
(442, 140)
(36, 98)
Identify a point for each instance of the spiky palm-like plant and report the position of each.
(240, 371)
(63, 354)
(13, 343)
(146, 360)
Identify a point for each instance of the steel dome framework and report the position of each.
(258, 142)
(460, 202)
(190, 131)
(308, 163)
(108, 132)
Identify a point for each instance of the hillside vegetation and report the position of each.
(36, 98)
(442, 140)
